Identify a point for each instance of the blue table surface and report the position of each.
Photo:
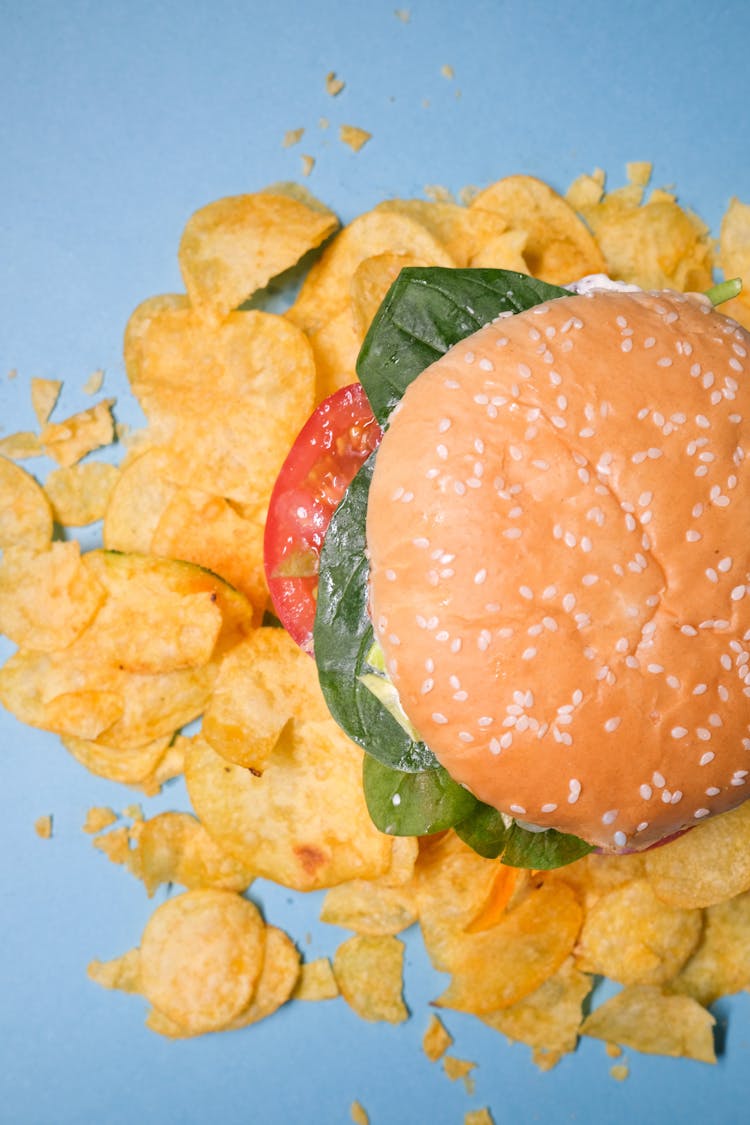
(117, 120)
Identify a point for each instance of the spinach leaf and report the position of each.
(413, 804)
(491, 834)
(425, 312)
(343, 637)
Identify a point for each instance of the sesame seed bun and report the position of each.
(560, 563)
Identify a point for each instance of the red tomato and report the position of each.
(333, 443)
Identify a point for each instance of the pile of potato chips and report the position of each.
(118, 649)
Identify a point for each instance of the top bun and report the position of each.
(558, 529)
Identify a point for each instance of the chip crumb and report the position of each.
(437, 193)
(619, 1071)
(43, 827)
(121, 973)
(44, 395)
(292, 137)
(359, 1114)
(334, 85)
(133, 812)
(70, 440)
(457, 1068)
(436, 1040)
(97, 818)
(323, 122)
(447, 71)
(308, 163)
(354, 137)
(403, 14)
(13, 373)
(639, 172)
(479, 1117)
(115, 844)
(316, 981)
(614, 1050)
(20, 445)
(93, 384)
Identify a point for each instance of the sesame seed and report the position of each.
(620, 839)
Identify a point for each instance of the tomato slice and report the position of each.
(333, 443)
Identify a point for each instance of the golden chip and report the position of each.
(174, 847)
(335, 346)
(559, 248)
(121, 973)
(21, 445)
(79, 493)
(316, 981)
(369, 907)
(720, 964)
(99, 817)
(479, 1117)
(706, 865)
(457, 1068)
(78, 435)
(25, 513)
(139, 765)
(43, 827)
(632, 937)
(44, 395)
(436, 1039)
(262, 685)
(464, 232)
(369, 973)
(279, 975)
(48, 597)
(371, 281)
(649, 1020)
(138, 501)
(353, 136)
(304, 823)
(201, 958)
(234, 246)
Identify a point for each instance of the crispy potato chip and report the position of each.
(359, 1114)
(335, 347)
(649, 1020)
(78, 435)
(504, 252)
(586, 190)
(25, 513)
(706, 865)
(279, 975)
(21, 445)
(371, 281)
(326, 289)
(369, 973)
(595, 875)
(136, 766)
(456, 1068)
(657, 245)
(436, 1039)
(262, 685)
(500, 966)
(115, 844)
(121, 973)
(632, 937)
(480, 1116)
(99, 817)
(47, 597)
(228, 399)
(174, 847)
(369, 907)
(316, 981)
(234, 246)
(201, 958)
(559, 248)
(354, 137)
(639, 172)
(463, 231)
(304, 823)
(139, 499)
(734, 241)
(79, 493)
(720, 964)
(44, 395)
(547, 1019)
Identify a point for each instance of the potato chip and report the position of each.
(547, 1019)
(136, 766)
(456, 1068)
(25, 513)
(79, 493)
(559, 248)
(121, 973)
(262, 685)
(44, 395)
(647, 1019)
(463, 231)
(174, 847)
(234, 246)
(229, 399)
(371, 281)
(334, 85)
(504, 252)
(719, 966)
(48, 597)
(21, 445)
(354, 137)
(369, 973)
(93, 384)
(639, 172)
(480, 1116)
(335, 347)
(140, 497)
(586, 190)
(734, 241)
(359, 1114)
(316, 981)
(78, 435)
(292, 137)
(201, 958)
(706, 865)
(304, 823)
(326, 289)
(369, 907)
(436, 1039)
(657, 245)
(99, 817)
(500, 966)
(632, 937)
(115, 844)
(279, 975)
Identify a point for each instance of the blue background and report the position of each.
(116, 121)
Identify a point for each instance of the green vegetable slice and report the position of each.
(425, 312)
(491, 834)
(413, 804)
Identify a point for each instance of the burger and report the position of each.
(534, 600)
